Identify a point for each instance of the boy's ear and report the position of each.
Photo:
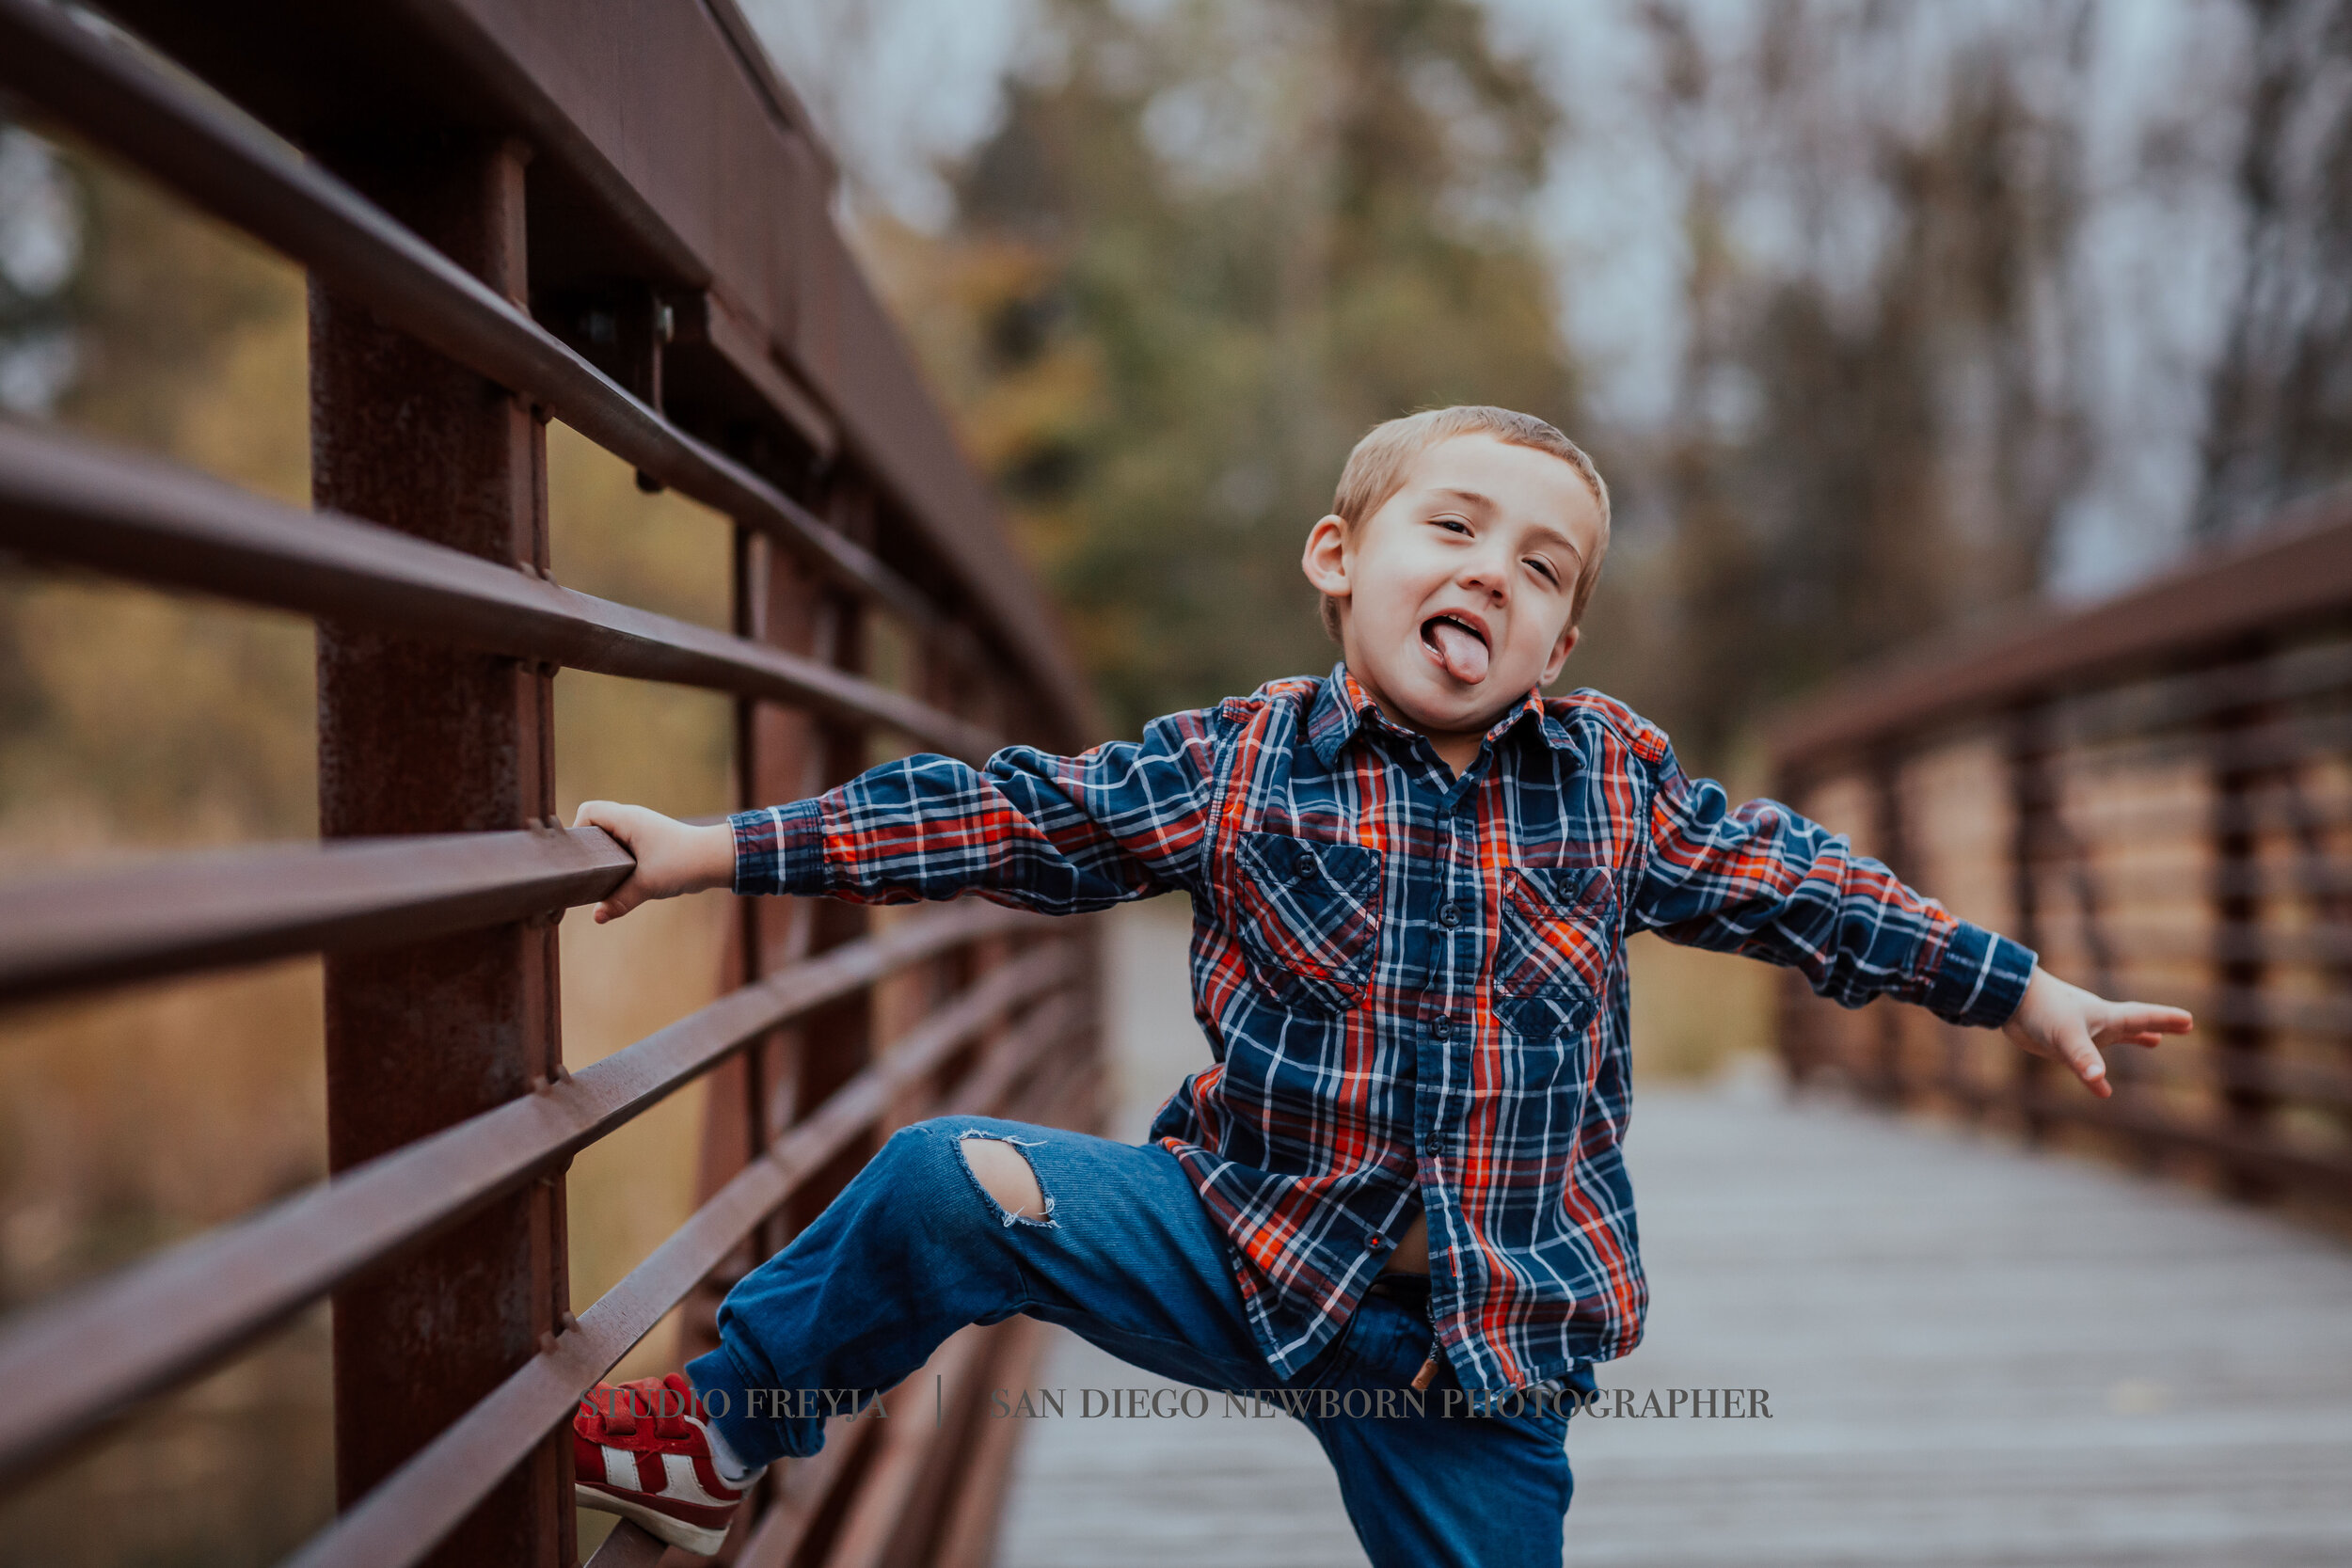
(1560, 650)
(1325, 559)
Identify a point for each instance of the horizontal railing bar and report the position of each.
(2136, 1112)
(888, 1489)
(69, 501)
(72, 1364)
(628, 1546)
(119, 101)
(2143, 939)
(68, 930)
(2275, 743)
(2254, 1007)
(2270, 585)
(2330, 879)
(799, 1494)
(2199, 696)
(973, 1507)
(2326, 1172)
(2188, 817)
(2215, 1070)
(2188, 820)
(405, 1516)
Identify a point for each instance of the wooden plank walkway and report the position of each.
(1977, 1355)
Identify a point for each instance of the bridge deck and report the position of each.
(1975, 1357)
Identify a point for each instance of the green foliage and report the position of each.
(1206, 249)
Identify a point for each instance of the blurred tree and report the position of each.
(2281, 426)
(1208, 247)
(1862, 454)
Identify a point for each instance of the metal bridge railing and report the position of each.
(2155, 793)
(494, 239)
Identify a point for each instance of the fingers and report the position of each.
(619, 900)
(2142, 1018)
(2075, 1048)
(609, 815)
(614, 818)
(2138, 1024)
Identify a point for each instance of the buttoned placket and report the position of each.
(1458, 942)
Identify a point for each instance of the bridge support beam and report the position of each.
(414, 740)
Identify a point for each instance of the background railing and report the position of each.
(2156, 794)
(608, 213)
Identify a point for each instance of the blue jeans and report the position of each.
(914, 1248)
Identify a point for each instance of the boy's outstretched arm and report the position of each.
(1052, 833)
(1769, 882)
(2068, 1025)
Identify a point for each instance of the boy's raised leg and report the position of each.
(1117, 1248)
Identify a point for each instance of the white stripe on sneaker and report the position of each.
(620, 1469)
(685, 1485)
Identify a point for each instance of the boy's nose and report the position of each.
(1483, 577)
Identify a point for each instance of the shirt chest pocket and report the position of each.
(1308, 914)
(1556, 941)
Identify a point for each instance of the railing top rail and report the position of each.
(663, 152)
(2297, 573)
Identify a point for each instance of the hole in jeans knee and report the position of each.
(1005, 1173)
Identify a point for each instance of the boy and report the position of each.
(1411, 881)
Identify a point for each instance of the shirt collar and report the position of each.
(1342, 707)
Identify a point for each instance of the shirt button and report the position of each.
(1450, 915)
(1302, 868)
(1375, 1241)
(1443, 1028)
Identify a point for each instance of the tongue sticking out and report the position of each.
(1464, 653)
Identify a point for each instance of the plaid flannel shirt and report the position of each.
(1413, 985)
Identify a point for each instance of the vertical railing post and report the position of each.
(1797, 1025)
(1887, 773)
(2032, 795)
(414, 739)
(2243, 1033)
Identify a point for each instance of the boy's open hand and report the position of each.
(673, 857)
(2068, 1025)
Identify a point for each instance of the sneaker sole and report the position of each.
(698, 1539)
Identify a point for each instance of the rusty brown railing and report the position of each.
(610, 212)
(2155, 793)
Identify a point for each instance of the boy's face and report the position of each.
(1454, 596)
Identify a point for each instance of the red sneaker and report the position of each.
(640, 1451)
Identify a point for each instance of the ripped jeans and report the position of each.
(914, 1248)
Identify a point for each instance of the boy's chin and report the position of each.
(1442, 703)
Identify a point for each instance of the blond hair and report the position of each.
(1376, 472)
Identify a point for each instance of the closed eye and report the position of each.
(1544, 569)
(1453, 525)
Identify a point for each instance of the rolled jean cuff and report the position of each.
(726, 1394)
